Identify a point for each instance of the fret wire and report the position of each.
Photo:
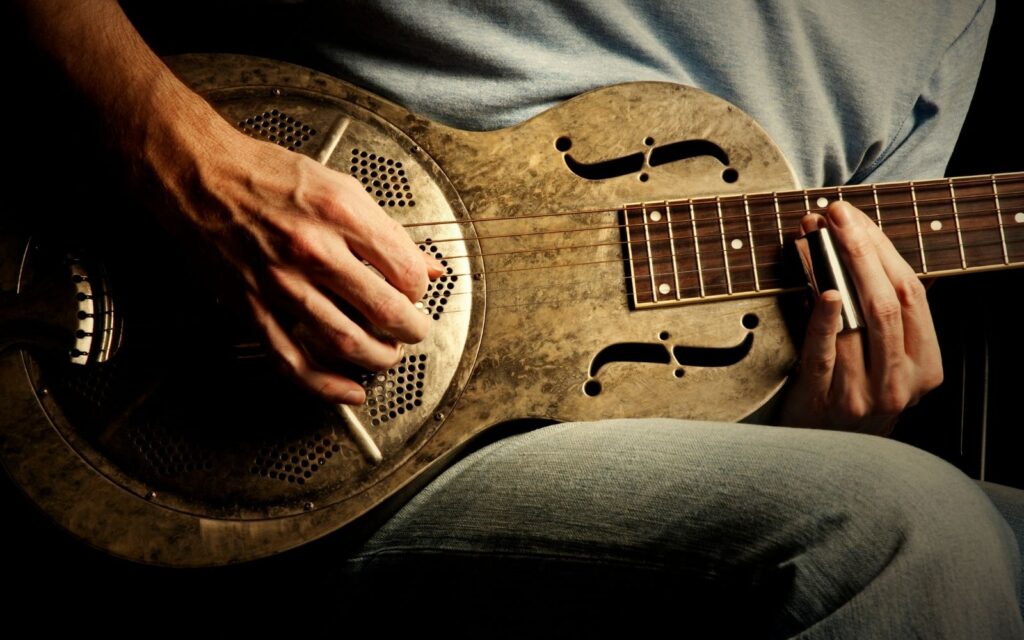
(878, 207)
(672, 249)
(778, 217)
(725, 251)
(629, 251)
(750, 238)
(999, 219)
(696, 249)
(650, 253)
(956, 219)
(917, 222)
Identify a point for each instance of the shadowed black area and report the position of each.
(713, 356)
(606, 168)
(686, 149)
(630, 352)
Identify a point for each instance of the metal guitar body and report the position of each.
(185, 448)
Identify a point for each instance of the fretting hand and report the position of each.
(861, 380)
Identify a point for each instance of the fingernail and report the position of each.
(436, 268)
(352, 396)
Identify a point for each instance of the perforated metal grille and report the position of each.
(295, 461)
(439, 290)
(383, 178)
(168, 452)
(278, 127)
(390, 394)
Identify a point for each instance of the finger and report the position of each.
(380, 303)
(434, 267)
(328, 385)
(811, 222)
(920, 340)
(851, 388)
(881, 307)
(385, 244)
(335, 336)
(818, 357)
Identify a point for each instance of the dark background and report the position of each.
(971, 420)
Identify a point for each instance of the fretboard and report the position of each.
(701, 248)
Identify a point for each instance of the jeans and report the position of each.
(711, 528)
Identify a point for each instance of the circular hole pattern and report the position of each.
(400, 389)
(278, 127)
(383, 178)
(436, 297)
(295, 461)
(166, 451)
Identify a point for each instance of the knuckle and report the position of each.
(852, 407)
(292, 363)
(894, 399)
(885, 310)
(820, 366)
(347, 344)
(411, 276)
(385, 312)
(858, 244)
(301, 245)
(933, 377)
(911, 292)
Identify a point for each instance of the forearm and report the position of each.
(147, 113)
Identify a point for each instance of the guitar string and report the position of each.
(741, 234)
(927, 237)
(560, 300)
(1002, 180)
(852, 190)
(723, 296)
(684, 224)
(735, 270)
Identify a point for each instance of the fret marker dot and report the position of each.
(655, 216)
(823, 202)
(664, 288)
(737, 243)
(1018, 217)
(936, 225)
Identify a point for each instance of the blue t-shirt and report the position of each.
(865, 91)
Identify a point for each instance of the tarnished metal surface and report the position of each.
(198, 458)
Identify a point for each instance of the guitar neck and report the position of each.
(726, 246)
